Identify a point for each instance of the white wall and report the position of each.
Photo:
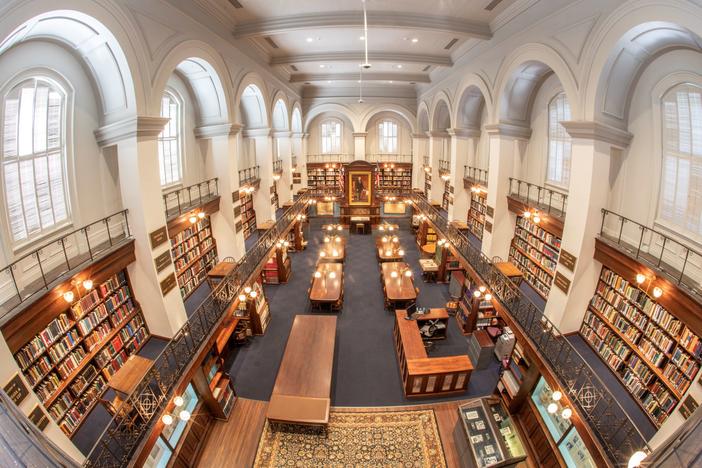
(404, 134)
(314, 145)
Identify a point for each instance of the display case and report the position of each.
(492, 435)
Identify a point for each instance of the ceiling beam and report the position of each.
(367, 77)
(358, 57)
(354, 19)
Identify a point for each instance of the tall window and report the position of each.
(169, 141)
(559, 143)
(34, 158)
(681, 175)
(331, 137)
(387, 137)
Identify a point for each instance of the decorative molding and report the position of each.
(257, 132)
(598, 131)
(402, 77)
(511, 12)
(509, 130)
(217, 130)
(141, 127)
(464, 132)
(297, 135)
(426, 59)
(437, 134)
(281, 133)
(350, 19)
(419, 136)
(360, 134)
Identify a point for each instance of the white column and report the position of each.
(285, 153)
(594, 145)
(222, 161)
(462, 150)
(359, 145)
(140, 186)
(296, 150)
(419, 150)
(264, 159)
(436, 148)
(302, 159)
(507, 142)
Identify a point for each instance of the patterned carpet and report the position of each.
(399, 438)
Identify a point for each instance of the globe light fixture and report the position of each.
(184, 415)
(636, 459)
(566, 413)
(68, 296)
(556, 396)
(167, 419)
(178, 401)
(88, 284)
(640, 278)
(552, 408)
(657, 292)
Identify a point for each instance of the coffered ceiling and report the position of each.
(320, 43)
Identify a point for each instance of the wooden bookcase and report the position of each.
(277, 269)
(395, 177)
(323, 175)
(275, 201)
(257, 310)
(427, 185)
(446, 198)
(475, 314)
(69, 361)
(248, 215)
(215, 386)
(654, 354)
(476, 213)
(426, 234)
(535, 252)
(194, 252)
(518, 379)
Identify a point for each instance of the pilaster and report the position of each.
(264, 159)
(359, 145)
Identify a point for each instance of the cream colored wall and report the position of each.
(404, 134)
(314, 145)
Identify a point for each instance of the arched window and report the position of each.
(169, 141)
(387, 137)
(681, 175)
(559, 142)
(34, 158)
(331, 137)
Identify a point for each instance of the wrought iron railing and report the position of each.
(136, 417)
(476, 175)
(46, 266)
(617, 433)
(677, 262)
(184, 199)
(444, 166)
(249, 175)
(323, 158)
(389, 157)
(545, 199)
(278, 166)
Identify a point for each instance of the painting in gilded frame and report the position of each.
(360, 188)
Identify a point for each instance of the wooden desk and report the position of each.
(326, 289)
(429, 249)
(511, 271)
(379, 241)
(390, 253)
(400, 288)
(387, 228)
(302, 390)
(333, 228)
(265, 225)
(423, 376)
(219, 272)
(330, 248)
(126, 379)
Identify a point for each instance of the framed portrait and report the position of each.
(360, 188)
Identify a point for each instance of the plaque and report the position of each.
(239, 226)
(490, 211)
(488, 226)
(158, 237)
(562, 282)
(235, 196)
(168, 283)
(689, 405)
(162, 261)
(16, 389)
(39, 418)
(567, 260)
(237, 211)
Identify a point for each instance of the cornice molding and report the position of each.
(257, 132)
(297, 135)
(217, 130)
(464, 132)
(350, 19)
(426, 59)
(401, 77)
(281, 133)
(589, 130)
(509, 130)
(360, 134)
(419, 136)
(437, 134)
(141, 127)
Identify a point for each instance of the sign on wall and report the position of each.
(562, 282)
(168, 283)
(39, 418)
(163, 261)
(158, 237)
(568, 260)
(16, 389)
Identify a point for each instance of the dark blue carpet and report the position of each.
(197, 297)
(366, 371)
(531, 294)
(473, 239)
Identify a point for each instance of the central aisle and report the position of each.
(365, 368)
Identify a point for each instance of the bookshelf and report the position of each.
(277, 269)
(426, 234)
(68, 363)
(476, 213)
(395, 177)
(535, 252)
(275, 201)
(655, 355)
(427, 185)
(194, 253)
(257, 309)
(446, 198)
(518, 379)
(217, 389)
(248, 215)
(323, 175)
(473, 313)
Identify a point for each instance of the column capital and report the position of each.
(360, 134)
(140, 126)
(509, 130)
(281, 133)
(419, 136)
(217, 130)
(437, 134)
(590, 130)
(297, 135)
(257, 132)
(464, 132)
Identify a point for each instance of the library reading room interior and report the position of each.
(265, 233)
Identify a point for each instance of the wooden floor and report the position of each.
(234, 443)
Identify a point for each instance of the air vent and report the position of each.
(271, 42)
(412, 83)
(293, 67)
(451, 43)
(236, 4)
(493, 4)
(307, 83)
(426, 68)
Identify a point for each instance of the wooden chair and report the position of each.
(497, 259)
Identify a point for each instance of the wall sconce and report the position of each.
(201, 215)
(657, 292)
(640, 278)
(534, 216)
(68, 296)
(427, 169)
(445, 177)
(636, 459)
(276, 177)
(192, 219)
(88, 284)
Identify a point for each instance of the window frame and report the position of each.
(547, 182)
(381, 137)
(179, 139)
(321, 135)
(65, 226)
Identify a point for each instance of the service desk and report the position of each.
(423, 376)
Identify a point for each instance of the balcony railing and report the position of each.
(543, 198)
(248, 175)
(425, 161)
(323, 158)
(444, 167)
(46, 266)
(617, 433)
(389, 157)
(138, 414)
(185, 199)
(677, 262)
(476, 175)
(278, 166)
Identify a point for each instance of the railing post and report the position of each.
(87, 241)
(621, 228)
(107, 227)
(604, 215)
(638, 249)
(682, 270)
(14, 280)
(660, 259)
(65, 254)
(41, 269)
(180, 210)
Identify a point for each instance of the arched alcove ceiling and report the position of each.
(442, 117)
(423, 119)
(347, 125)
(206, 87)
(632, 54)
(296, 120)
(95, 46)
(388, 115)
(280, 116)
(253, 108)
(339, 110)
(470, 108)
(520, 91)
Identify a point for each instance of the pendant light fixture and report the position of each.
(365, 64)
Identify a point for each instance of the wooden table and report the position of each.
(356, 220)
(400, 289)
(335, 228)
(511, 271)
(390, 253)
(330, 248)
(265, 225)
(302, 390)
(132, 372)
(326, 289)
(388, 228)
(429, 249)
(219, 272)
(379, 241)
(429, 268)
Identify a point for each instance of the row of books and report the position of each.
(190, 232)
(527, 265)
(100, 293)
(79, 410)
(544, 249)
(35, 347)
(536, 255)
(541, 233)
